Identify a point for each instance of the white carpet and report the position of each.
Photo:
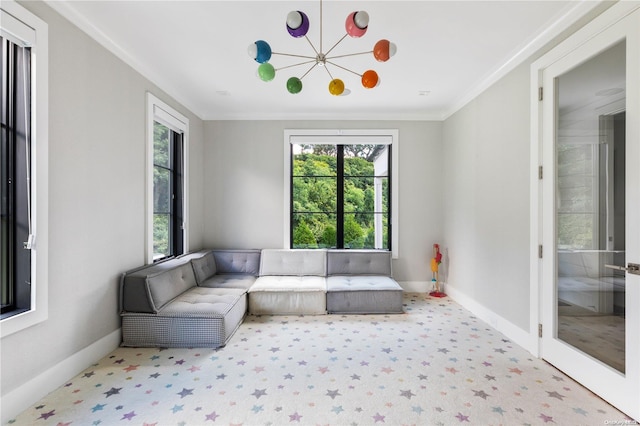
(434, 365)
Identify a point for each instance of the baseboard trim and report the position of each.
(21, 398)
(519, 336)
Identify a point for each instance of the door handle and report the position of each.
(632, 268)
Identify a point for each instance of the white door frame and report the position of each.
(610, 20)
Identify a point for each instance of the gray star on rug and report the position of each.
(184, 392)
(408, 394)
(482, 394)
(555, 394)
(112, 391)
(333, 393)
(259, 392)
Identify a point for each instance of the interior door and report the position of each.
(590, 289)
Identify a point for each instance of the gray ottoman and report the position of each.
(360, 282)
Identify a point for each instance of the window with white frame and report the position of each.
(340, 189)
(167, 165)
(24, 169)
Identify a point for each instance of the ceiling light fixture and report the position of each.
(298, 25)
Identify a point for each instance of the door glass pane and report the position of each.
(590, 207)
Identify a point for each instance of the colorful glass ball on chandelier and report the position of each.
(260, 51)
(336, 87)
(370, 79)
(294, 85)
(266, 72)
(297, 23)
(383, 50)
(357, 23)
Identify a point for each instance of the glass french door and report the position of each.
(591, 220)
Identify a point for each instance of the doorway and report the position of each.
(587, 207)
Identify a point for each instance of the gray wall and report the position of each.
(486, 163)
(97, 145)
(244, 189)
(486, 203)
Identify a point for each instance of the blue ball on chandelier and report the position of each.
(260, 51)
(297, 23)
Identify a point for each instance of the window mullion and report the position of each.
(340, 197)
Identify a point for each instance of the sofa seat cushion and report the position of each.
(289, 283)
(363, 295)
(361, 283)
(201, 301)
(288, 295)
(240, 281)
(200, 317)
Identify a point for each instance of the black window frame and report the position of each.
(340, 211)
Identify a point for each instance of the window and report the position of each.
(167, 163)
(167, 192)
(16, 176)
(340, 189)
(23, 169)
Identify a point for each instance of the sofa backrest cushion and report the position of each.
(358, 262)
(293, 262)
(237, 262)
(169, 284)
(134, 289)
(204, 267)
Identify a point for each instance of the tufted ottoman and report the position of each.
(290, 282)
(360, 282)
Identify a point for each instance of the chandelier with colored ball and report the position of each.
(298, 26)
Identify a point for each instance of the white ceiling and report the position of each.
(197, 52)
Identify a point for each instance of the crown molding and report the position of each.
(570, 17)
(63, 8)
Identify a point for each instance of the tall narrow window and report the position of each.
(167, 145)
(167, 192)
(15, 152)
(24, 169)
(340, 196)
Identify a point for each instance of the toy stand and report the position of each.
(435, 261)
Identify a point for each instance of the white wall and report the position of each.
(96, 203)
(244, 189)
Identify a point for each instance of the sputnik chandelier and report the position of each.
(298, 26)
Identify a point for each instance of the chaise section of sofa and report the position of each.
(360, 282)
(291, 281)
(162, 306)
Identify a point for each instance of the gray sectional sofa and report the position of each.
(200, 299)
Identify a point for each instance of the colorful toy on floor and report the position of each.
(436, 260)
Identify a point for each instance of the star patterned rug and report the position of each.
(436, 364)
